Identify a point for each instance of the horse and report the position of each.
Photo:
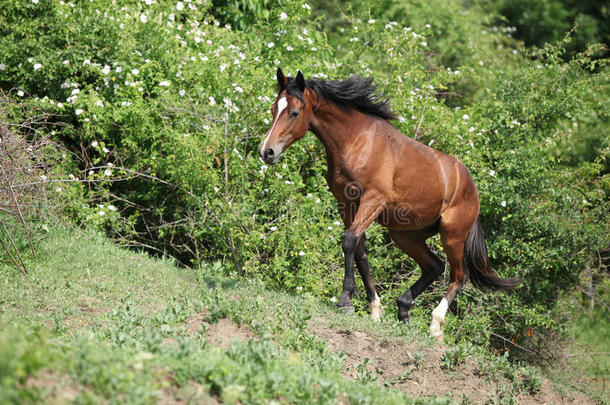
(378, 174)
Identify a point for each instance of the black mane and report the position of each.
(355, 92)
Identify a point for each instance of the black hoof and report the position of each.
(404, 306)
(347, 308)
(404, 318)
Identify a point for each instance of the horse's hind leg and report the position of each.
(414, 245)
(454, 231)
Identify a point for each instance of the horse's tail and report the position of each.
(477, 261)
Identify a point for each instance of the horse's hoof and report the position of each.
(436, 330)
(346, 308)
(404, 318)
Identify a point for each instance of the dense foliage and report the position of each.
(162, 88)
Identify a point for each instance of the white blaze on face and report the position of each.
(281, 106)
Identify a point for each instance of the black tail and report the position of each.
(477, 261)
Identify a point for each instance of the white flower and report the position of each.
(212, 100)
(143, 18)
(107, 172)
(99, 103)
(37, 66)
(78, 111)
(2, 67)
(102, 213)
(66, 62)
(424, 43)
(337, 223)
(164, 83)
(35, 1)
(283, 16)
(182, 93)
(413, 117)
(333, 299)
(471, 129)
(301, 253)
(135, 72)
(179, 6)
(239, 89)
(492, 172)
(60, 105)
(371, 21)
(86, 62)
(466, 117)
(94, 144)
(105, 149)
(503, 203)
(270, 45)
(20, 93)
(427, 25)
(289, 48)
(112, 207)
(273, 228)
(43, 177)
(306, 6)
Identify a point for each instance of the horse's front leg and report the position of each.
(368, 210)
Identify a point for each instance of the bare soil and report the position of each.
(417, 371)
(225, 331)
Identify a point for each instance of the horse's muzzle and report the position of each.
(268, 156)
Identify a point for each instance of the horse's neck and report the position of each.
(334, 128)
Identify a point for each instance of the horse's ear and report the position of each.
(300, 81)
(282, 80)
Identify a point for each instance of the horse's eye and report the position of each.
(294, 114)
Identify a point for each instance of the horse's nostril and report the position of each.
(269, 153)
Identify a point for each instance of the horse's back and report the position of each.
(428, 181)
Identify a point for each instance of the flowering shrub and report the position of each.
(165, 90)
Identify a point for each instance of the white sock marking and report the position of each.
(281, 105)
(376, 309)
(438, 319)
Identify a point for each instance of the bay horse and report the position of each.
(378, 174)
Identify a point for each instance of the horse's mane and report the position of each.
(355, 92)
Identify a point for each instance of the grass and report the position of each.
(94, 323)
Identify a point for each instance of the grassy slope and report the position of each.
(95, 323)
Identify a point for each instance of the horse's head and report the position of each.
(291, 115)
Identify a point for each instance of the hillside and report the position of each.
(94, 323)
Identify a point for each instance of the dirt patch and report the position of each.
(226, 331)
(191, 393)
(417, 371)
(52, 387)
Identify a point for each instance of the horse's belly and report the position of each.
(407, 217)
